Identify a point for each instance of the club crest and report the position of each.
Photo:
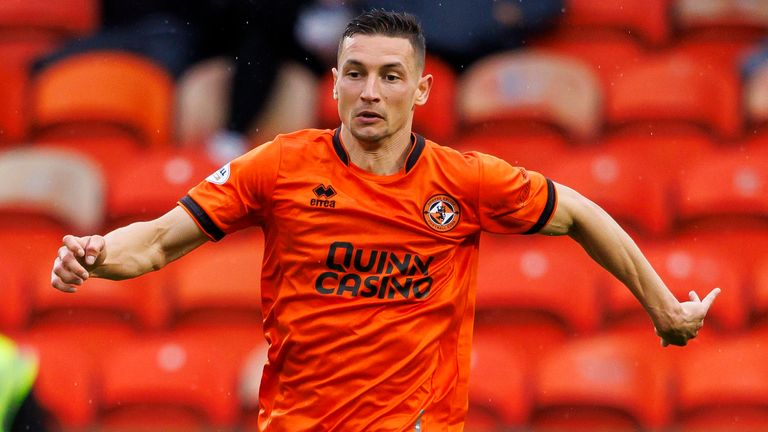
(441, 213)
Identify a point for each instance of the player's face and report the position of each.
(377, 84)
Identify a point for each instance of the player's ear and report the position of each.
(422, 91)
(335, 79)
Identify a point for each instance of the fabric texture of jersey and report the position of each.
(367, 281)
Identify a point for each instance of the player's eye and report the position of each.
(391, 78)
(353, 74)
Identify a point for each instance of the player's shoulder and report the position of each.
(447, 156)
(304, 137)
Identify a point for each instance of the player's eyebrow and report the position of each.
(358, 63)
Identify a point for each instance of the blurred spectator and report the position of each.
(227, 56)
(19, 409)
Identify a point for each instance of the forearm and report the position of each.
(143, 247)
(609, 245)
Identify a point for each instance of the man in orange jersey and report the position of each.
(371, 236)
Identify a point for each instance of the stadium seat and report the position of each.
(218, 285)
(760, 292)
(727, 211)
(609, 54)
(723, 386)
(499, 393)
(663, 152)
(614, 179)
(532, 87)
(436, 120)
(151, 183)
(724, 18)
(14, 308)
(46, 183)
(105, 103)
(57, 18)
(520, 291)
(166, 383)
(646, 19)
(684, 269)
(537, 149)
(601, 383)
(676, 88)
(755, 93)
(67, 381)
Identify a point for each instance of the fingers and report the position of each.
(711, 297)
(68, 268)
(694, 297)
(73, 244)
(93, 247)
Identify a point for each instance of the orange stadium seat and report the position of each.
(14, 308)
(63, 186)
(684, 268)
(724, 18)
(615, 179)
(723, 386)
(646, 19)
(67, 381)
(218, 285)
(499, 393)
(104, 103)
(166, 383)
(520, 290)
(676, 88)
(532, 87)
(60, 18)
(436, 120)
(602, 383)
(149, 185)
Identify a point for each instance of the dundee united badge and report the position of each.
(441, 213)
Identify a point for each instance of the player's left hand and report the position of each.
(691, 319)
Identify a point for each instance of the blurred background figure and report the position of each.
(19, 408)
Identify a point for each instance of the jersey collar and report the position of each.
(417, 147)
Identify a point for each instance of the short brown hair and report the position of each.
(388, 23)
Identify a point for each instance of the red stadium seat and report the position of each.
(532, 87)
(67, 381)
(436, 120)
(537, 149)
(730, 205)
(169, 384)
(723, 18)
(603, 383)
(756, 97)
(676, 88)
(615, 179)
(684, 268)
(100, 99)
(724, 386)
(59, 18)
(219, 284)
(150, 184)
(499, 397)
(609, 54)
(646, 19)
(520, 287)
(14, 309)
(760, 293)
(46, 183)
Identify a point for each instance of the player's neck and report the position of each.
(383, 157)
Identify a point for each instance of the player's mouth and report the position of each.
(368, 116)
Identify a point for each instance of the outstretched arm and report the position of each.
(609, 245)
(126, 252)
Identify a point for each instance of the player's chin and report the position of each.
(369, 133)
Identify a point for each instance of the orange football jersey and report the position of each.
(368, 281)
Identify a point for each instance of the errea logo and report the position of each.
(323, 195)
(221, 176)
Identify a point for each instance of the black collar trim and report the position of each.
(417, 142)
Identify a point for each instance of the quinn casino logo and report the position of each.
(441, 213)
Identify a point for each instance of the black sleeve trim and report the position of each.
(546, 214)
(202, 218)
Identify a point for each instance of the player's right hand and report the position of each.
(75, 259)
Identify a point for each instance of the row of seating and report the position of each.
(177, 381)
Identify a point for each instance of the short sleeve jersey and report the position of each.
(367, 281)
